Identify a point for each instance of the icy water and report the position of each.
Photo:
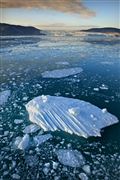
(23, 60)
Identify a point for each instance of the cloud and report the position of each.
(66, 6)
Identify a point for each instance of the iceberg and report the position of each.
(59, 73)
(4, 95)
(72, 158)
(54, 113)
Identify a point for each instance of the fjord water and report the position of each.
(23, 60)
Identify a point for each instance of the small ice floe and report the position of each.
(18, 121)
(62, 63)
(32, 160)
(24, 143)
(39, 139)
(17, 141)
(83, 176)
(25, 98)
(15, 176)
(72, 158)
(59, 73)
(4, 95)
(86, 169)
(107, 62)
(53, 113)
(104, 87)
(32, 128)
(55, 164)
(96, 89)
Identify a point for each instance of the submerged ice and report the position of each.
(53, 113)
(59, 73)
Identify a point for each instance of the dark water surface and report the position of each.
(22, 62)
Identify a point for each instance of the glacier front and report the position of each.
(74, 116)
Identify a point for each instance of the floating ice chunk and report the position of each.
(107, 62)
(17, 141)
(86, 169)
(24, 143)
(96, 89)
(71, 158)
(15, 176)
(69, 115)
(62, 63)
(83, 176)
(41, 138)
(59, 73)
(32, 128)
(18, 121)
(32, 160)
(104, 87)
(4, 95)
(55, 165)
(46, 170)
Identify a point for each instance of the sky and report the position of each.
(61, 14)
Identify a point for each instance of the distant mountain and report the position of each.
(103, 30)
(16, 30)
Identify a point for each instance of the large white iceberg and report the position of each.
(59, 73)
(53, 113)
(4, 95)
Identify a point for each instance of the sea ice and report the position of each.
(39, 139)
(32, 128)
(62, 63)
(53, 113)
(18, 121)
(24, 143)
(32, 160)
(83, 176)
(59, 73)
(4, 95)
(104, 87)
(17, 141)
(71, 158)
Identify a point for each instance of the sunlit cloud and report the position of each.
(66, 6)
